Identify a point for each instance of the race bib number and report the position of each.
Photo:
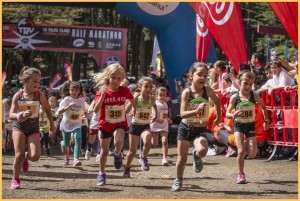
(143, 116)
(33, 106)
(202, 116)
(247, 115)
(114, 114)
(163, 114)
(74, 114)
(84, 121)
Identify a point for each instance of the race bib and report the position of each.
(114, 114)
(202, 116)
(33, 106)
(248, 114)
(74, 114)
(163, 114)
(143, 116)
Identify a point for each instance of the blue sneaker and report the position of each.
(198, 163)
(101, 179)
(177, 185)
(118, 162)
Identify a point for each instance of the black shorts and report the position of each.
(190, 133)
(248, 129)
(104, 134)
(138, 129)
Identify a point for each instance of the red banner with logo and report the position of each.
(108, 42)
(55, 79)
(203, 40)
(224, 21)
(287, 13)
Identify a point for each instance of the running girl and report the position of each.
(110, 101)
(25, 113)
(244, 120)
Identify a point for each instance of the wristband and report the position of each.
(20, 117)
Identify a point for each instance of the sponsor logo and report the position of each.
(26, 26)
(158, 8)
(78, 42)
(112, 60)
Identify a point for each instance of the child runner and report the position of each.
(110, 101)
(140, 126)
(52, 100)
(45, 132)
(25, 113)
(244, 120)
(72, 107)
(192, 128)
(94, 129)
(161, 125)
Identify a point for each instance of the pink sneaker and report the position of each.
(25, 165)
(241, 178)
(76, 162)
(230, 152)
(15, 184)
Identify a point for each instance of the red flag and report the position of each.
(287, 13)
(55, 80)
(224, 21)
(203, 40)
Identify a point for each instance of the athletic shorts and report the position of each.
(138, 129)
(190, 133)
(248, 129)
(104, 134)
(94, 131)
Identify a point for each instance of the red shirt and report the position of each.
(116, 98)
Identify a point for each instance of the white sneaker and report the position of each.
(87, 155)
(164, 162)
(111, 152)
(98, 158)
(211, 152)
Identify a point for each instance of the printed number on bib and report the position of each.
(143, 116)
(247, 115)
(33, 106)
(163, 114)
(202, 115)
(114, 114)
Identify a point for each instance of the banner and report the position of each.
(224, 21)
(203, 40)
(28, 35)
(55, 79)
(68, 71)
(287, 13)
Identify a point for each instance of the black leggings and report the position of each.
(45, 140)
(84, 132)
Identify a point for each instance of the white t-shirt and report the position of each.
(282, 80)
(94, 123)
(72, 118)
(162, 113)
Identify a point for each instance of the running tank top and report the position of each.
(194, 103)
(143, 112)
(30, 125)
(247, 107)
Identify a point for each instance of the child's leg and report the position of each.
(66, 140)
(46, 140)
(104, 144)
(119, 136)
(241, 148)
(182, 150)
(164, 141)
(154, 140)
(34, 147)
(201, 146)
(84, 135)
(77, 147)
(251, 146)
(19, 139)
(146, 136)
(91, 141)
(133, 144)
(141, 146)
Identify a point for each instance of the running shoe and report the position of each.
(164, 162)
(118, 162)
(177, 185)
(66, 161)
(198, 163)
(241, 178)
(25, 165)
(87, 155)
(144, 164)
(76, 162)
(230, 152)
(98, 158)
(15, 184)
(126, 172)
(211, 152)
(101, 179)
(111, 152)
